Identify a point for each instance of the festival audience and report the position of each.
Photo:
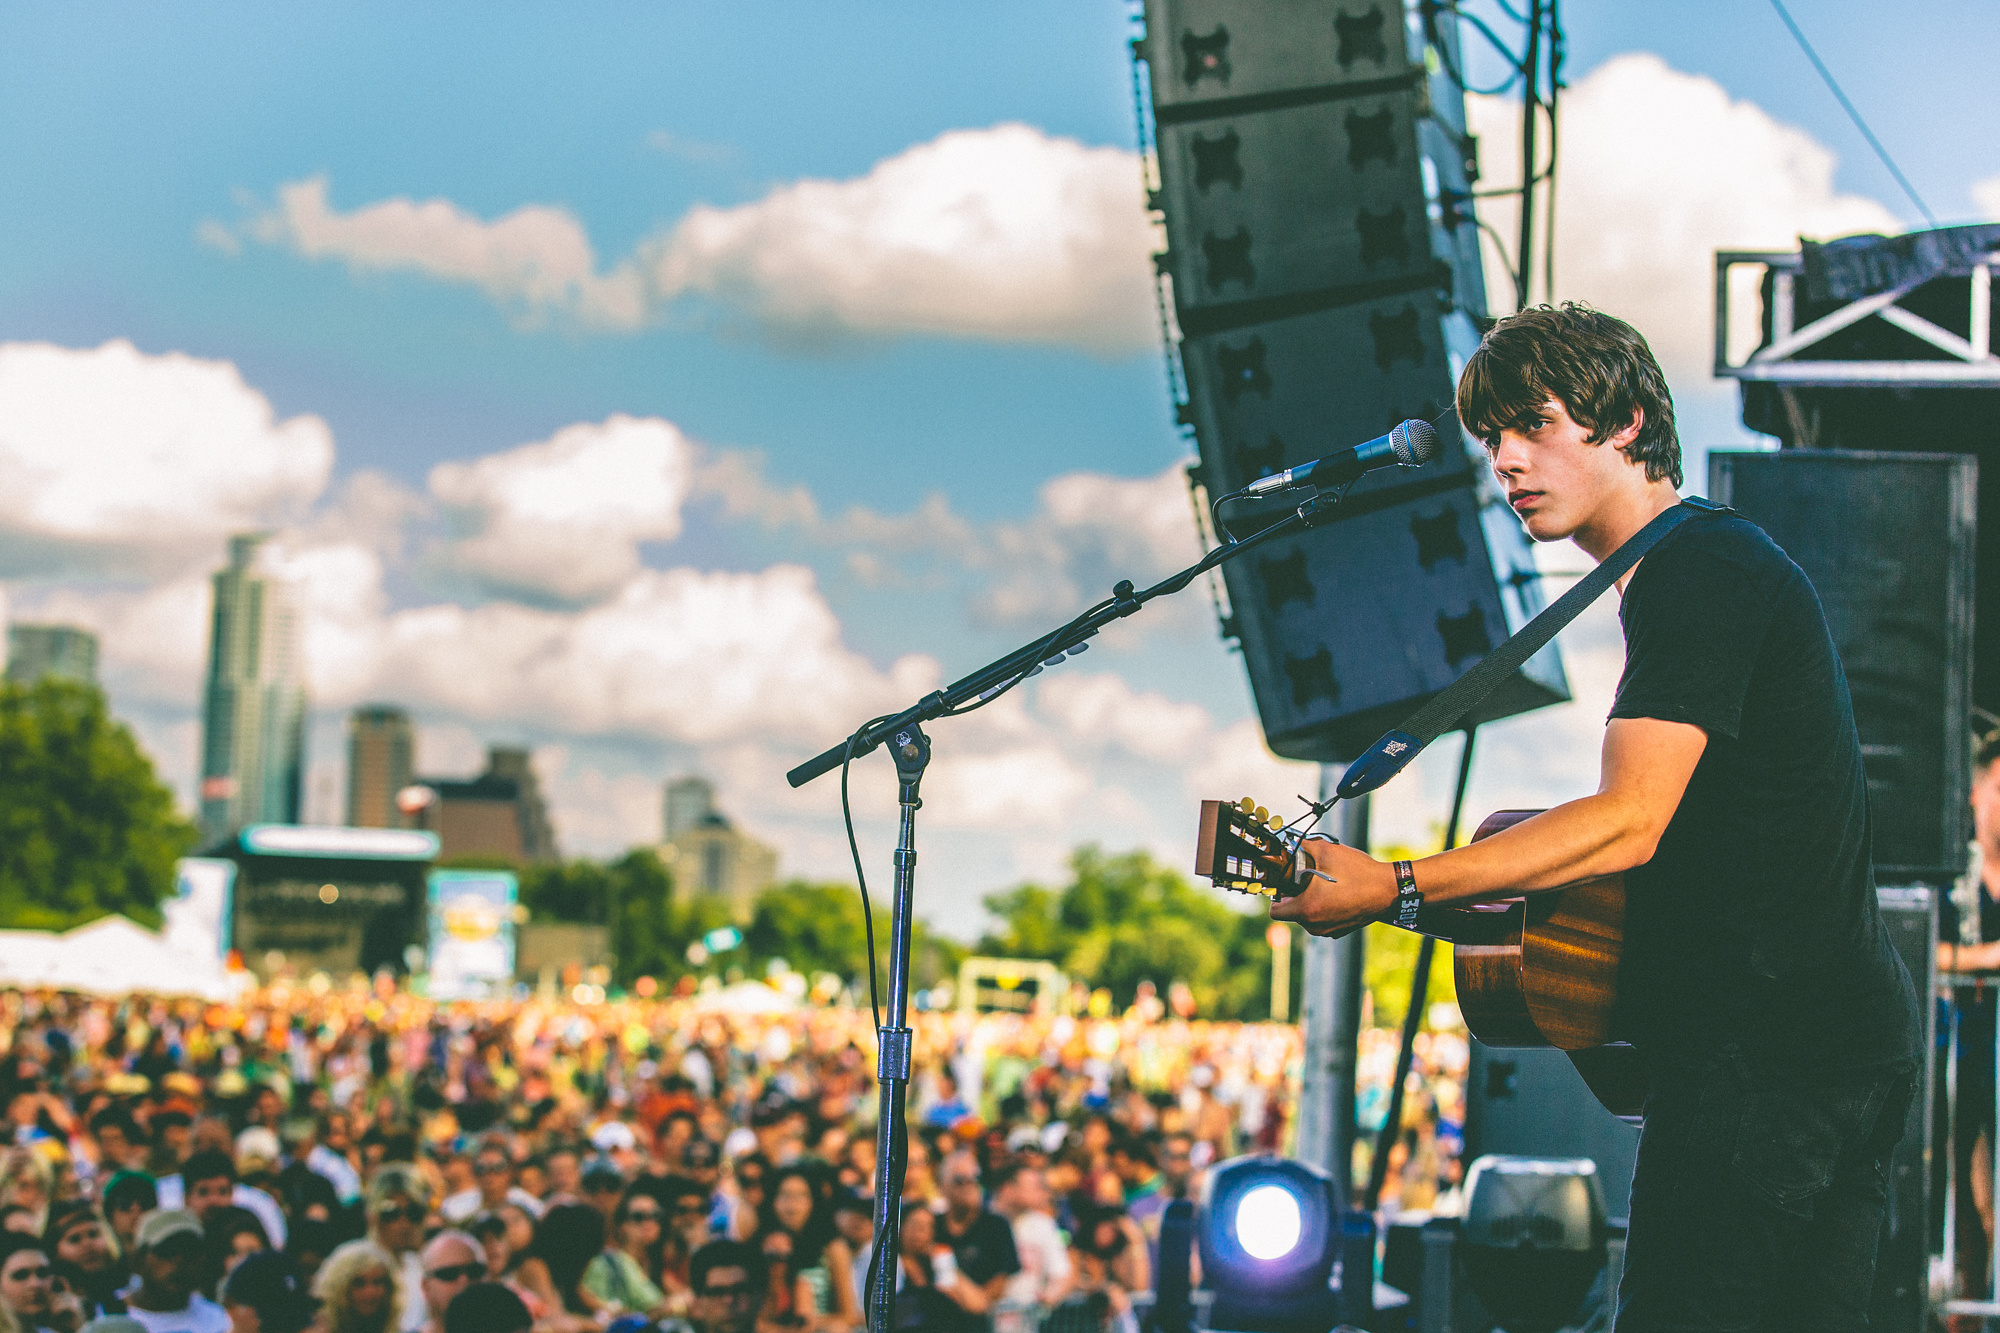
(635, 1166)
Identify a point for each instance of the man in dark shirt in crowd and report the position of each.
(1757, 982)
(728, 1281)
(981, 1240)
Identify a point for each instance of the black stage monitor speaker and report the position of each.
(1887, 540)
(1315, 180)
(1902, 1265)
(1533, 1103)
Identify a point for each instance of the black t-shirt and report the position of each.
(1756, 922)
(985, 1250)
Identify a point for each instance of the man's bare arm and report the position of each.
(1646, 767)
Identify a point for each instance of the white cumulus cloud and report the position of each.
(1004, 233)
(1089, 531)
(1103, 709)
(117, 461)
(1659, 170)
(678, 654)
(562, 519)
(534, 262)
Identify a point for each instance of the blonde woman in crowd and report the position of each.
(27, 1182)
(358, 1284)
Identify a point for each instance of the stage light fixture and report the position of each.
(1272, 1240)
(1533, 1238)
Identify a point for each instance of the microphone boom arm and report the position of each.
(1004, 672)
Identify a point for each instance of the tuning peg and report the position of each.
(1275, 822)
(1246, 805)
(1260, 814)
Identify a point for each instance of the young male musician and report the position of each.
(1778, 1025)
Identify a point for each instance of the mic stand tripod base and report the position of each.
(911, 750)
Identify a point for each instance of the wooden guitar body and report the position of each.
(1542, 970)
(1535, 969)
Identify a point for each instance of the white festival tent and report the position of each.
(112, 955)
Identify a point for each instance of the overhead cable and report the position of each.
(1854, 115)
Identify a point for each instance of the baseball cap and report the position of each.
(613, 1135)
(163, 1224)
(256, 1144)
(602, 1175)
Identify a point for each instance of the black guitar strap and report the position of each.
(1388, 756)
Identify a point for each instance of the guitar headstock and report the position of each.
(1243, 846)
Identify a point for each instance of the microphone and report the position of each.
(1411, 444)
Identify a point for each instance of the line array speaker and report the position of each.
(1315, 179)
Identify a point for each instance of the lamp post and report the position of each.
(1279, 937)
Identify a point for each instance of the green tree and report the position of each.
(649, 935)
(576, 891)
(820, 928)
(1124, 919)
(86, 826)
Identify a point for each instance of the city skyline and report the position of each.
(675, 425)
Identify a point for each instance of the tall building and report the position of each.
(254, 708)
(381, 761)
(707, 854)
(690, 803)
(498, 813)
(35, 652)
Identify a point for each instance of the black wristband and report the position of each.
(1408, 900)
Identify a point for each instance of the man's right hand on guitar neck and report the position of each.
(1647, 764)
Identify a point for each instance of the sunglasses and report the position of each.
(456, 1272)
(735, 1291)
(409, 1212)
(490, 1169)
(642, 1215)
(31, 1274)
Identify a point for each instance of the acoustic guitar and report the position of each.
(1532, 970)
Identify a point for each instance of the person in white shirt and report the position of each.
(1021, 1195)
(208, 1182)
(398, 1203)
(169, 1262)
(493, 1184)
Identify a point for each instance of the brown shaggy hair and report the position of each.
(1598, 366)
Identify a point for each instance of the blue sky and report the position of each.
(149, 154)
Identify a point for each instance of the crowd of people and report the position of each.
(362, 1160)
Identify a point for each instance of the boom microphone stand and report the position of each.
(911, 749)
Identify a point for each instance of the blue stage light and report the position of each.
(1272, 1243)
(1268, 1222)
